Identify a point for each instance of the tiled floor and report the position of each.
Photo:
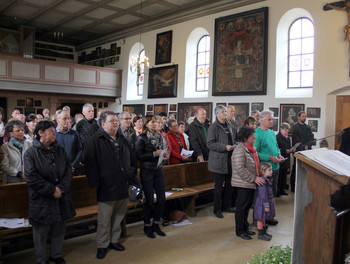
(207, 240)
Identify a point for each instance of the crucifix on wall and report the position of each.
(341, 6)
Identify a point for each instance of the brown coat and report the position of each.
(243, 168)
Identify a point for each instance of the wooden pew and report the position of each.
(193, 178)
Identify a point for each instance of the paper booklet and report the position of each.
(187, 153)
(333, 160)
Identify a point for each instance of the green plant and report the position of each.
(275, 255)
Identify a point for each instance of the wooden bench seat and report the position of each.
(193, 178)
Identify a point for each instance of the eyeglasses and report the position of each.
(112, 121)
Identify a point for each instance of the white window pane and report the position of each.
(308, 28)
(140, 90)
(307, 62)
(201, 45)
(207, 57)
(200, 84)
(295, 47)
(307, 78)
(307, 45)
(201, 59)
(294, 79)
(206, 84)
(295, 30)
(295, 63)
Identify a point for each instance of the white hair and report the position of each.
(264, 114)
(86, 106)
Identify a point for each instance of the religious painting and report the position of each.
(240, 54)
(242, 112)
(150, 108)
(138, 109)
(257, 106)
(163, 48)
(29, 102)
(172, 107)
(289, 113)
(162, 82)
(313, 112)
(159, 108)
(275, 111)
(313, 125)
(186, 110)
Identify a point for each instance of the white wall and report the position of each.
(331, 59)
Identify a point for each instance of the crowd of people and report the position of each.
(249, 165)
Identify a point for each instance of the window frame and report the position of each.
(301, 54)
(197, 53)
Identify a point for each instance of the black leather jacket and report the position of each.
(144, 152)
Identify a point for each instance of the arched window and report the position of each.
(301, 54)
(141, 73)
(203, 59)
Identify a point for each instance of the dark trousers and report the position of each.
(282, 179)
(275, 182)
(153, 180)
(56, 235)
(292, 176)
(245, 198)
(222, 194)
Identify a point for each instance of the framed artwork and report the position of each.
(21, 102)
(37, 103)
(162, 82)
(172, 107)
(257, 106)
(275, 111)
(275, 124)
(39, 111)
(29, 102)
(313, 112)
(99, 104)
(289, 113)
(186, 110)
(158, 108)
(313, 125)
(138, 109)
(174, 114)
(105, 104)
(224, 104)
(149, 113)
(29, 110)
(242, 112)
(163, 48)
(150, 108)
(240, 53)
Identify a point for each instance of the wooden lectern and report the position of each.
(321, 235)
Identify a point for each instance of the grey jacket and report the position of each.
(218, 155)
(243, 168)
(12, 161)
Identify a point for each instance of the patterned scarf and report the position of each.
(252, 150)
(156, 139)
(18, 144)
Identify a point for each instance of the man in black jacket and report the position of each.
(301, 133)
(83, 127)
(198, 130)
(109, 164)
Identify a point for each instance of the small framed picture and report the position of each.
(39, 111)
(37, 103)
(99, 104)
(257, 106)
(313, 112)
(29, 102)
(21, 102)
(313, 125)
(172, 107)
(275, 124)
(149, 108)
(105, 104)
